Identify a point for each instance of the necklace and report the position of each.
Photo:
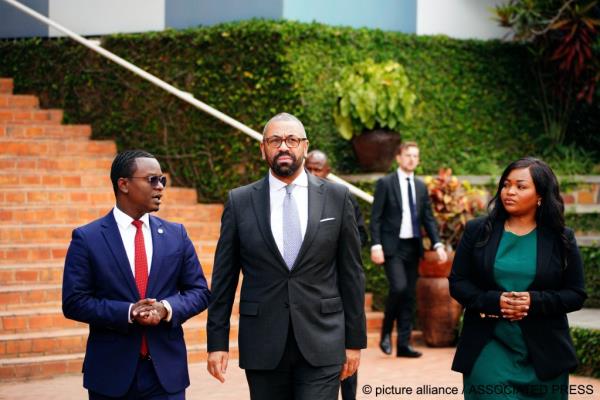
(508, 229)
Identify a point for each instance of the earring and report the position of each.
(539, 203)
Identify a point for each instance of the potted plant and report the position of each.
(375, 100)
(453, 203)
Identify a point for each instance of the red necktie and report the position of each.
(141, 271)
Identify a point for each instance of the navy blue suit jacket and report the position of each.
(98, 288)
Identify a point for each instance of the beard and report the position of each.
(285, 170)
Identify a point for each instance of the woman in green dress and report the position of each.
(518, 272)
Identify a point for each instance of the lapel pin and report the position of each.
(160, 231)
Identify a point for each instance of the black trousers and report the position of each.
(401, 269)
(348, 387)
(294, 378)
(145, 386)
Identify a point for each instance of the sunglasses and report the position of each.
(154, 180)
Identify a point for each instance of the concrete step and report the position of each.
(31, 274)
(28, 116)
(9, 101)
(51, 272)
(35, 319)
(14, 233)
(69, 341)
(50, 318)
(56, 147)
(26, 368)
(20, 297)
(35, 132)
(11, 254)
(72, 340)
(209, 215)
(42, 254)
(89, 196)
(27, 296)
(43, 343)
(34, 367)
(33, 233)
(6, 85)
(47, 179)
(33, 164)
(37, 196)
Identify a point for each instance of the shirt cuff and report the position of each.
(129, 314)
(376, 247)
(438, 245)
(169, 310)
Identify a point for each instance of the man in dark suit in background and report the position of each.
(295, 239)
(135, 279)
(318, 165)
(400, 207)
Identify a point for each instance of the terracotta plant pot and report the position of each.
(375, 150)
(438, 313)
(429, 267)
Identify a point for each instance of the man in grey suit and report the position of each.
(295, 239)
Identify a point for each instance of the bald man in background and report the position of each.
(317, 164)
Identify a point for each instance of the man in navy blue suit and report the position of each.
(135, 279)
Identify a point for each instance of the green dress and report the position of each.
(503, 369)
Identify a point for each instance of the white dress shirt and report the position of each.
(128, 231)
(406, 228)
(406, 225)
(277, 194)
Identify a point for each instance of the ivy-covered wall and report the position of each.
(591, 270)
(475, 99)
(587, 347)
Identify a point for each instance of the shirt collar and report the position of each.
(403, 175)
(124, 221)
(276, 184)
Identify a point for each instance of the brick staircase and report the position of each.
(53, 178)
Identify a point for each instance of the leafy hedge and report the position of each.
(589, 223)
(587, 347)
(476, 109)
(591, 264)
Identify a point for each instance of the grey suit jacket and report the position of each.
(321, 298)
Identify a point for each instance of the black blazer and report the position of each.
(386, 214)
(322, 296)
(554, 292)
(360, 221)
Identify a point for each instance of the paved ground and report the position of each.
(377, 371)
